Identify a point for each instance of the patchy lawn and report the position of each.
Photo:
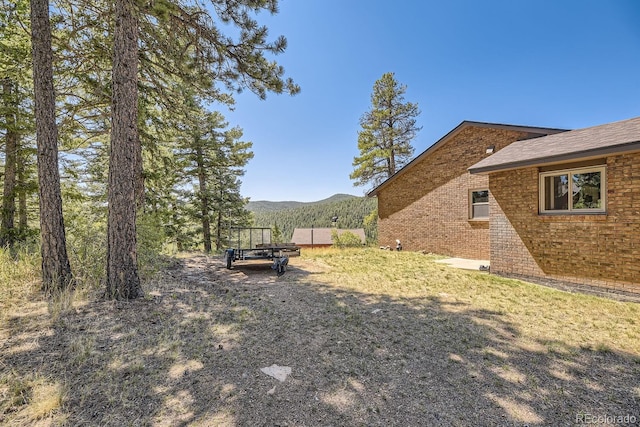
(371, 337)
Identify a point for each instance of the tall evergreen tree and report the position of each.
(387, 131)
(234, 64)
(15, 116)
(25, 186)
(56, 270)
(7, 214)
(215, 159)
(229, 207)
(123, 281)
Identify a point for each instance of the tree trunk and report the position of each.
(7, 232)
(219, 231)
(206, 229)
(174, 216)
(123, 281)
(204, 200)
(138, 173)
(56, 270)
(22, 192)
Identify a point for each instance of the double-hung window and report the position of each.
(479, 204)
(580, 190)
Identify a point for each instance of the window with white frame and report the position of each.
(580, 190)
(479, 204)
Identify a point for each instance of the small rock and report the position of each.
(278, 372)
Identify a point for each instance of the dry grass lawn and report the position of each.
(372, 338)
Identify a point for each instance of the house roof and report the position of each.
(580, 144)
(442, 141)
(322, 236)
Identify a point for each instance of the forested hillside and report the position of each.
(267, 206)
(352, 212)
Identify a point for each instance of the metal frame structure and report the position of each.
(254, 243)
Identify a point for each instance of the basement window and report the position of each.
(479, 204)
(576, 191)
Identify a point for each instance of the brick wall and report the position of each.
(427, 207)
(600, 251)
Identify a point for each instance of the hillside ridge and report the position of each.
(346, 210)
(274, 206)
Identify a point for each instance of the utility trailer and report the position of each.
(254, 243)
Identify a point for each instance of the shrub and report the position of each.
(345, 240)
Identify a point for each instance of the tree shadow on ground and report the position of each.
(191, 352)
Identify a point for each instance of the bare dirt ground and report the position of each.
(191, 353)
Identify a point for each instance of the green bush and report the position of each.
(345, 240)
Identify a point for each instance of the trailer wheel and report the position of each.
(228, 258)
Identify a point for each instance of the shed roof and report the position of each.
(532, 130)
(580, 144)
(322, 236)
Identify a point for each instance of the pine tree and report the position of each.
(387, 131)
(123, 281)
(7, 214)
(235, 64)
(276, 233)
(231, 212)
(16, 117)
(56, 270)
(215, 159)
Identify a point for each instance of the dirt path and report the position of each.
(192, 351)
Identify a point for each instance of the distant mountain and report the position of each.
(350, 211)
(267, 206)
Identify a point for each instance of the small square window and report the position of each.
(479, 204)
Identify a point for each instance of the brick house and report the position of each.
(565, 208)
(434, 204)
(322, 237)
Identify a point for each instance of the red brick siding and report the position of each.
(427, 207)
(595, 250)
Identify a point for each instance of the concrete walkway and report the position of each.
(467, 264)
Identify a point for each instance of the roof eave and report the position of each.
(628, 147)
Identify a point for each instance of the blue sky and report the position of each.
(552, 63)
